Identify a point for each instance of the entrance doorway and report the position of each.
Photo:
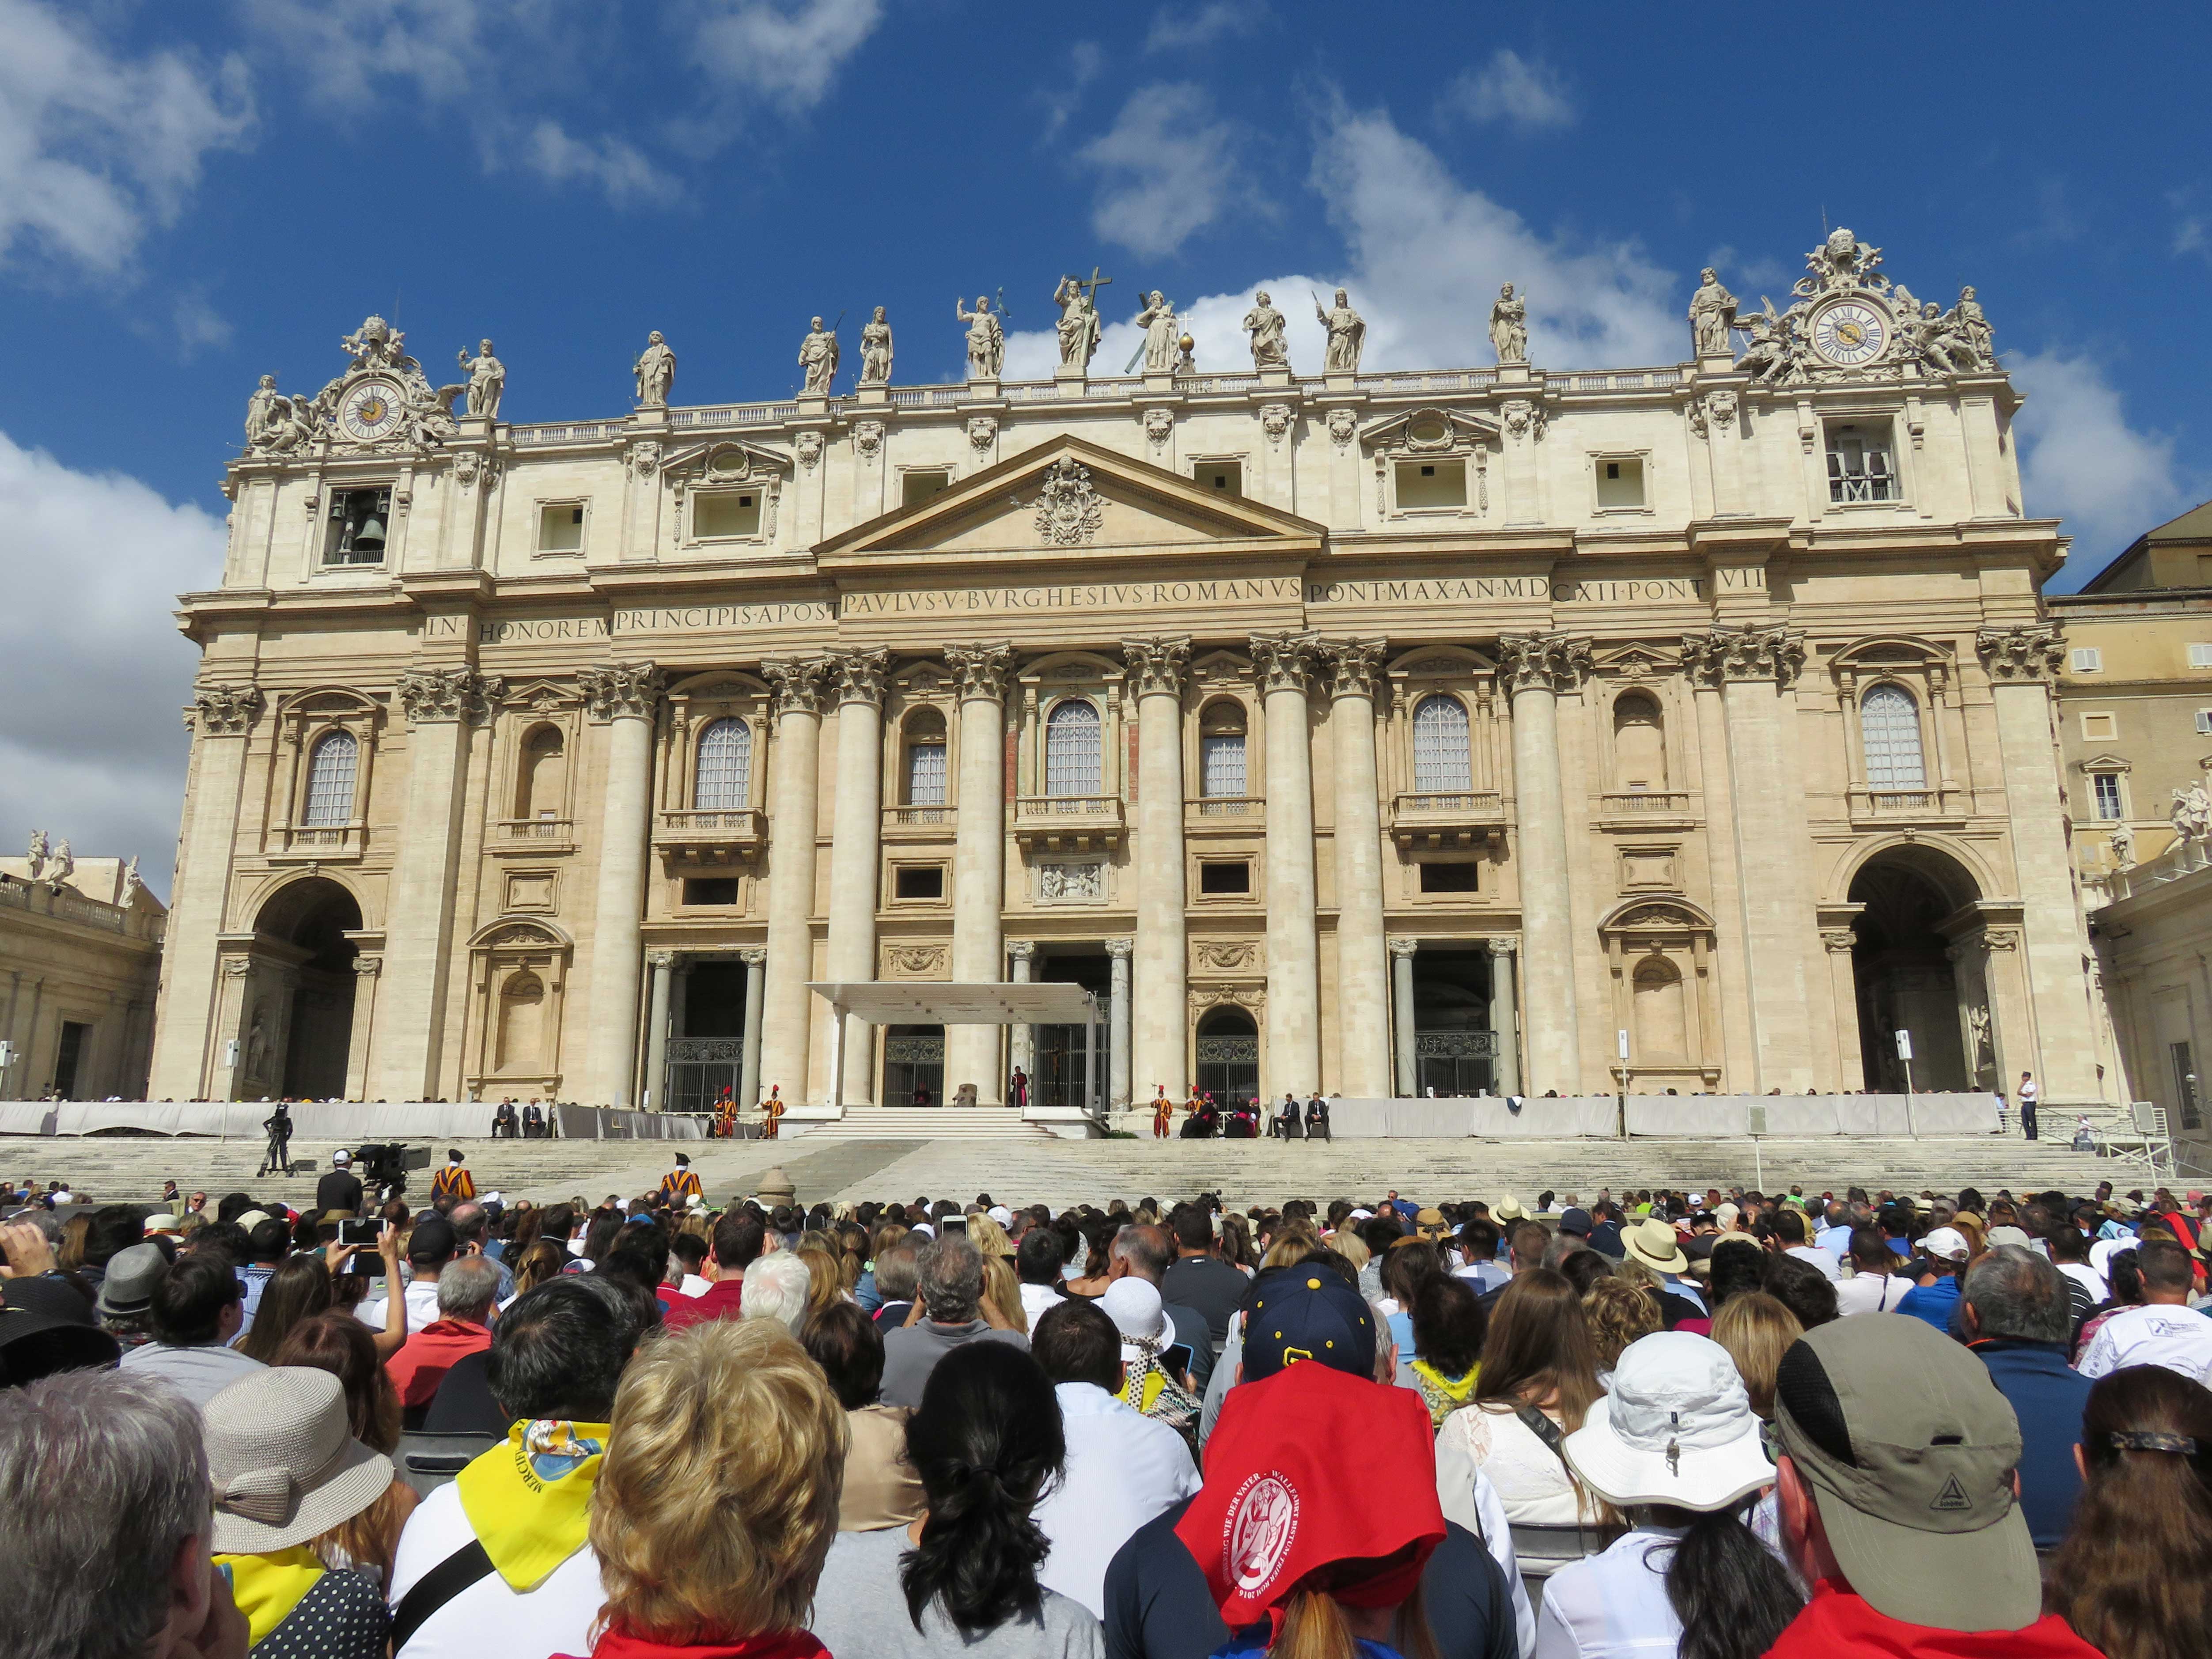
(1902, 972)
(914, 1065)
(312, 917)
(1057, 1079)
(1454, 1049)
(67, 1058)
(1229, 1058)
(705, 1063)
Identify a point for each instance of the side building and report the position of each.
(1373, 733)
(80, 966)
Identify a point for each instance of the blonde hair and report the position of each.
(1290, 1247)
(1619, 1313)
(717, 1500)
(988, 1237)
(1353, 1248)
(825, 1273)
(1757, 1330)
(1002, 1292)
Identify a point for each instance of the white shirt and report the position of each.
(1123, 1468)
(421, 1298)
(1036, 1301)
(1613, 1604)
(488, 1617)
(1474, 1503)
(1532, 1483)
(2099, 1290)
(1819, 1257)
(2179, 1339)
(1871, 1292)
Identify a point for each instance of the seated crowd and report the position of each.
(1655, 1424)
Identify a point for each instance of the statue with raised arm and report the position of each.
(876, 350)
(1347, 334)
(487, 381)
(817, 357)
(1936, 343)
(656, 372)
(1508, 326)
(1712, 312)
(1077, 327)
(1768, 358)
(131, 882)
(37, 853)
(2178, 816)
(62, 866)
(1265, 324)
(986, 338)
(1161, 328)
(2200, 814)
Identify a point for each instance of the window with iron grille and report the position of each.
(331, 772)
(1221, 764)
(925, 774)
(1071, 750)
(1442, 759)
(1889, 730)
(2107, 785)
(1858, 464)
(723, 781)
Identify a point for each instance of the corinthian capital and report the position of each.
(1745, 654)
(621, 690)
(860, 675)
(1554, 662)
(980, 670)
(448, 694)
(1355, 666)
(223, 711)
(798, 683)
(2021, 653)
(1284, 662)
(1156, 667)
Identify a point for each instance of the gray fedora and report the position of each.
(285, 1464)
(132, 1277)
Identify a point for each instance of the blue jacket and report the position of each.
(2047, 1396)
(1934, 1303)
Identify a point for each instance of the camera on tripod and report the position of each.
(382, 1167)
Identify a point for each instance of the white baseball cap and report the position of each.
(1946, 1241)
(341, 1156)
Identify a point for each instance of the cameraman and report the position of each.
(278, 1157)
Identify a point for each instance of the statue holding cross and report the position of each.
(1078, 301)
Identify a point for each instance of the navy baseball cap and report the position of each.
(1576, 1221)
(1310, 1312)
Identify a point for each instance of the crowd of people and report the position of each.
(1720, 1426)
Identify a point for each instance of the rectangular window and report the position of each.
(1222, 477)
(710, 890)
(1448, 878)
(358, 521)
(1620, 484)
(2087, 660)
(2205, 722)
(560, 528)
(1221, 764)
(2100, 728)
(1858, 464)
(2107, 787)
(918, 881)
(717, 514)
(1440, 483)
(917, 487)
(925, 774)
(1221, 876)
(2200, 655)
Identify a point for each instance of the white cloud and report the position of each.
(617, 168)
(1169, 168)
(1183, 29)
(1519, 92)
(196, 325)
(95, 148)
(90, 661)
(786, 51)
(2082, 461)
(1062, 98)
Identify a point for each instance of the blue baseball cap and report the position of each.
(1310, 1312)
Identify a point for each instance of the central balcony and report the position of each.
(1067, 823)
(1224, 812)
(1434, 820)
(722, 836)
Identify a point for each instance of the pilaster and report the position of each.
(855, 850)
(793, 832)
(1537, 667)
(1363, 1063)
(1159, 1017)
(1284, 664)
(979, 858)
(624, 698)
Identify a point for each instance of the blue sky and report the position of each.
(192, 194)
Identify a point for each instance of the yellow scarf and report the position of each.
(1443, 1394)
(528, 1501)
(268, 1587)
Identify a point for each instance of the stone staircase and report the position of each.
(920, 1123)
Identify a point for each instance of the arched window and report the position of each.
(1639, 746)
(1072, 749)
(925, 759)
(1221, 751)
(539, 789)
(1441, 756)
(331, 771)
(1889, 729)
(724, 782)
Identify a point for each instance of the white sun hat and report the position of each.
(1133, 1305)
(1678, 1428)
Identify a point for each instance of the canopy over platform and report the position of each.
(1039, 1003)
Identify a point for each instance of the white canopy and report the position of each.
(937, 1003)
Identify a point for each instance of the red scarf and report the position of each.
(618, 1644)
(1837, 1622)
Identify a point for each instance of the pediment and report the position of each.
(1068, 497)
(1429, 431)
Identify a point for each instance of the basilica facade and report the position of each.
(1497, 730)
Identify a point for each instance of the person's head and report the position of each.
(1448, 1322)
(1757, 1330)
(2166, 1270)
(336, 1342)
(2133, 1577)
(1798, 1285)
(1584, 1267)
(778, 1287)
(1194, 1227)
(1897, 1475)
(1526, 1243)
(108, 1472)
(559, 1349)
(1621, 1312)
(1789, 1227)
(1075, 1341)
(197, 1304)
(543, 1261)
(290, 1422)
(2013, 1292)
(431, 1245)
(825, 1273)
(898, 1268)
(1537, 1350)
(846, 1344)
(1039, 1257)
(468, 1289)
(113, 1229)
(717, 1498)
(1404, 1266)
(1870, 1251)
(299, 1289)
(950, 1279)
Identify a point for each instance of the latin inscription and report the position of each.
(1471, 589)
(1078, 596)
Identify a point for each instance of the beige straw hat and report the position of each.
(285, 1463)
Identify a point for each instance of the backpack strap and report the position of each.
(1545, 1429)
(465, 1566)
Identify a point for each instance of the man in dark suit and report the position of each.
(339, 1189)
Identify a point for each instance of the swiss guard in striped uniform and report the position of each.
(679, 1186)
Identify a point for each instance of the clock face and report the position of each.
(1851, 332)
(370, 411)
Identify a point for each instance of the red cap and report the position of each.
(1312, 1467)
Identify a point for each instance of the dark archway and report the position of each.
(1229, 1057)
(314, 917)
(1454, 1045)
(1902, 970)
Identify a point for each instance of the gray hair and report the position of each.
(1145, 1250)
(2015, 1292)
(468, 1288)
(777, 1287)
(114, 1467)
(952, 1280)
(897, 1269)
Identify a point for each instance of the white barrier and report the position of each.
(1668, 1117)
(409, 1120)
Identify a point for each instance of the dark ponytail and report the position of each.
(985, 1441)
(1731, 1593)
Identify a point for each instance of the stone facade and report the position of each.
(1359, 732)
(80, 963)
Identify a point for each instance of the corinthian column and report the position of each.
(793, 822)
(1539, 666)
(855, 856)
(1282, 662)
(1159, 1019)
(624, 697)
(1363, 1021)
(442, 705)
(979, 860)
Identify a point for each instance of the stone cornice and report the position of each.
(1156, 667)
(621, 691)
(2032, 652)
(982, 671)
(1554, 662)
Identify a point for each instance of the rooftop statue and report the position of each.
(1265, 324)
(1712, 313)
(655, 370)
(486, 381)
(1508, 326)
(986, 338)
(1347, 334)
(876, 350)
(818, 356)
